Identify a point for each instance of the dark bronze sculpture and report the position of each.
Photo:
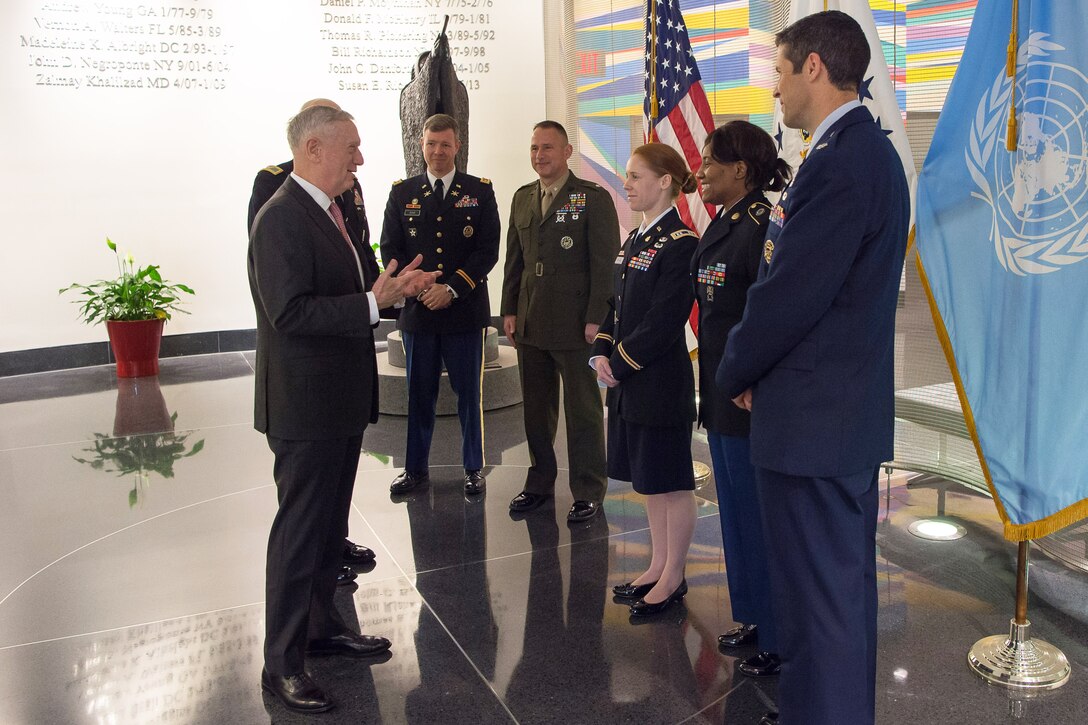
(434, 88)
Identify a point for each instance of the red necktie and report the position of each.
(338, 217)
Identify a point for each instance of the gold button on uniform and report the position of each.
(439, 235)
(440, 266)
(439, 250)
(439, 218)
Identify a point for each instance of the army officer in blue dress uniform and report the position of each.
(452, 220)
(740, 162)
(641, 355)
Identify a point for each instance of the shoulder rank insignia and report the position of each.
(681, 233)
(398, 181)
(757, 210)
(484, 181)
(273, 169)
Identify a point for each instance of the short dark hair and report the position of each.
(555, 126)
(744, 141)
(836, 38)
(440, 122)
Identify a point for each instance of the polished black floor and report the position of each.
(131, 580)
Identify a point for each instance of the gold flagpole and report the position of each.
(652, 117)
(1010, 71)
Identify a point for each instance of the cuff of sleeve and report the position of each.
(374, 316)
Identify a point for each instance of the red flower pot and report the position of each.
(135, 345)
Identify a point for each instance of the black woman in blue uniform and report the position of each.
(641, 355)
(740, 162)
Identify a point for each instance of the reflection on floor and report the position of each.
(132, 580)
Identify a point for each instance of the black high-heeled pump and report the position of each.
(642, 608)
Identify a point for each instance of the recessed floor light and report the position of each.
(937, 530)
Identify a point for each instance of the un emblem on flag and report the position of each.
(1038, 194)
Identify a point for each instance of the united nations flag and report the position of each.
(1003, 245)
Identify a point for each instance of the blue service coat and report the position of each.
(816, 342)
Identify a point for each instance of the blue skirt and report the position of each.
(654, 459)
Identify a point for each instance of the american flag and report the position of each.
(676, 110)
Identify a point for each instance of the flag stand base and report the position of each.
(1018, 661)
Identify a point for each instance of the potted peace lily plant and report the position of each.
(134, 305)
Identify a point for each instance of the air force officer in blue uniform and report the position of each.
(452, 220)
(812, 358)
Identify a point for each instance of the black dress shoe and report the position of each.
(474, 482)
(357, 555)
(632, 591)
(740, 636)
(348, 644)
(345, 576)
(583, 511)
(764, 664)
(769, 718)
(296, 692)
(407, 480)
(642, 608)
(526, 501)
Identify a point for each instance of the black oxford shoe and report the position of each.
(357, 555)
(764, 664)
(769, 718)
(348, 644)
(740, 636)
(474, 482)
(642, 608)
(345, 576)
(583, 511)
(407, 480)
(526, 501)
(296, 692)
(633, 591)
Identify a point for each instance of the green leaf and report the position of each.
(110, 244)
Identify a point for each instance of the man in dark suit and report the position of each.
(562, 241)
(812, 359)
(316, 390)
(451, 219)
(266, 183)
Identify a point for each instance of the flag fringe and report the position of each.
(1012, 532)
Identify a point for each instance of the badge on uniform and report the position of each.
(466, 202)
(411, 231)
(643, 261)
(659, 245)
(412, 210)
(566, 242)
(768, 251)
(713, 275)
(358, 197)
(560, 218)
(468, 231)
(778, 215)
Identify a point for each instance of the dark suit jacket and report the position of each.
(643, 334)
(816, 343)
(316, 371)
(724, 266)
(458, 236)
(558, 271)
(270, 178)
